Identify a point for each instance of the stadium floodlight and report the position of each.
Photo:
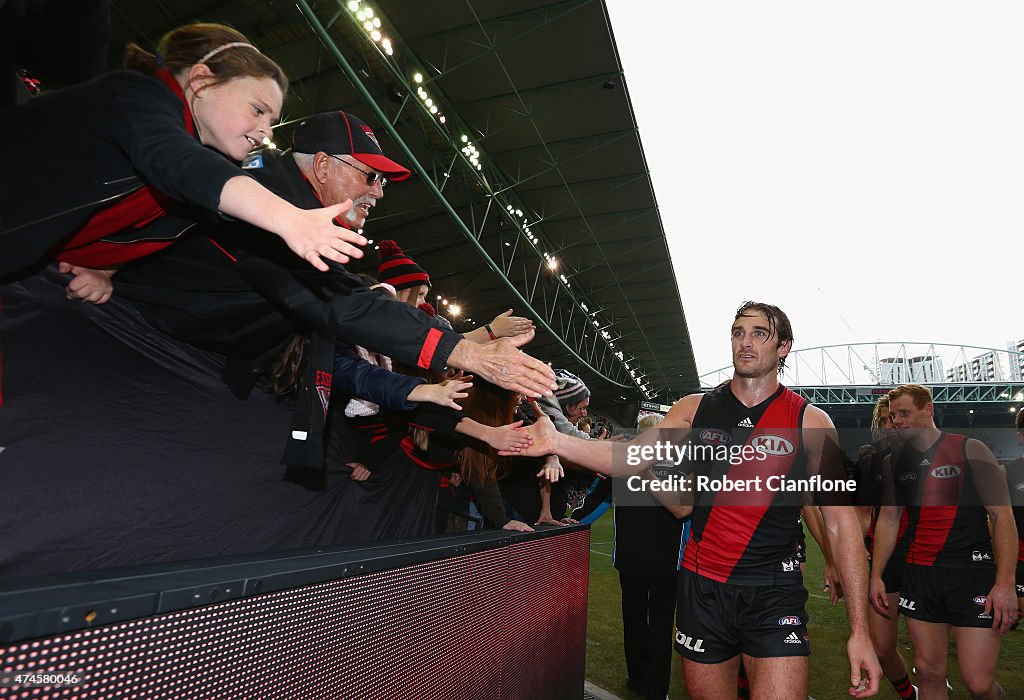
(552, 264)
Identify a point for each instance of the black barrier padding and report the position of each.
(465, 617)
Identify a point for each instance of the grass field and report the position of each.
(606, 666)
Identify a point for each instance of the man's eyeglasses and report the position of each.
(371, 178)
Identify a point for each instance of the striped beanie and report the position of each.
(571, 389)
(398, 269)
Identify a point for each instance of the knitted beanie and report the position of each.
(571, 389)
(398, 269)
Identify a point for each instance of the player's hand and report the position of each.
(878, 597)
(543, 435)
(314, 237)
(1002, 605)
(865, 671)
(832, 584)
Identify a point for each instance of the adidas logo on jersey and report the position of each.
(926, 462)
(793, 638)
(745, 423)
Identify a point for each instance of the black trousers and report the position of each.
(648, 613)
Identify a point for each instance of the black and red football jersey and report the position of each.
(1015, 481)
(948, 525)
(747, 537)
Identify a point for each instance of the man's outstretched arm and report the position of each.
(603, 456)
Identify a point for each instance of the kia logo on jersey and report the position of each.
(980, 599)
(947, 471)
(789, 620)
(713, 436)
(773, 445)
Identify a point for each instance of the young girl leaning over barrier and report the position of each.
(84, 167)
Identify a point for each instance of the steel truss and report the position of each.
(507, 242)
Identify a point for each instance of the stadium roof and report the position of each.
(537, 155)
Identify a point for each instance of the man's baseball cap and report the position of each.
(341, 133)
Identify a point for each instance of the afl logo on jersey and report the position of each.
(907, 477)
(714, 436)
(980, 599)
(789, 620)
(947, 471)
(773, 445)
(1020, 486)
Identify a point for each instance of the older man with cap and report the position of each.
(233, 291)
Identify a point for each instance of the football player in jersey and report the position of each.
(1015, 480)
(884, 628)
(741, 594)
(957, 574)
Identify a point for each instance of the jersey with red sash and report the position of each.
(1015, 481)
(114, 235)
(747, 537)
(948, 525)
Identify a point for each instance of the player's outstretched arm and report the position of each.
(601, 455)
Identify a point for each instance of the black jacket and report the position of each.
(239, 291)
(67, 153)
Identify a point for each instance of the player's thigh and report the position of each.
(779, 678)
(977, 651)
(711, 681)
(931, 641)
